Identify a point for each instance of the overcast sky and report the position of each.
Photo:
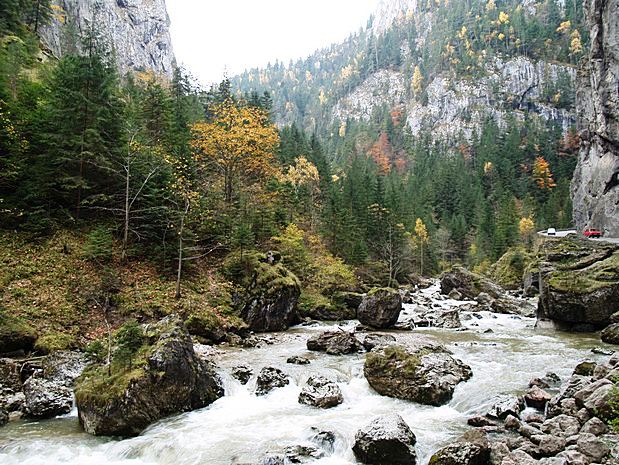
(211, 37)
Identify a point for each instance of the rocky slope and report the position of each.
(473, 65)
(137, 31)
(595, 188)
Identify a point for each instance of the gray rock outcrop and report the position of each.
(138, 31)
(595, 186)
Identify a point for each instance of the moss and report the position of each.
(52, 342)
(509, 269)
(206, 324)
(97, 387)
(396, 358)
(599, 275)
(15, 334)
(380, 290)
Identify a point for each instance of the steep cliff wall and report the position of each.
(595, 188)
(137, 31)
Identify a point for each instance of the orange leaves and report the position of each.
(382, 153)
(542, 174)
(238, 141)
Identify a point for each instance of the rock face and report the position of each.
(170, 379)
(137, 30)
(595, 186)
(321, 392)
(387, 440)
(425, 374)
(579, 283)
(272, 298)
(380, 308)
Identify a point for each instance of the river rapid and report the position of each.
(241, 428)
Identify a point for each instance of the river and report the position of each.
(241, 428)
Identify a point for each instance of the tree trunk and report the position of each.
(179, 270)
(126, 228)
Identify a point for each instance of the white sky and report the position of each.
(211, 37)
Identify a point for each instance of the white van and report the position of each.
(551, 232)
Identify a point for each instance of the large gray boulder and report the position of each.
(170, 378)
(610, 335)
(321, 392)
(380, 308)
(426, 374)
(46, 399)
(335, 343)
(386, 440)
(469, 284)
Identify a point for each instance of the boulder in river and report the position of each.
(610, 334)
(370, 341)
(469, 284)
(426, 374)
(380, 308)
(386, 440)
(505, 406)
(537, 398)
(242, 373)
(169, 378)
(46, 399)
(321, 392)
(335, 343)
(270, 378)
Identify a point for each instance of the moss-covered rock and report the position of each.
(206, 325)
(579, 282)
(15, 334)
(426, 374)
(53, 342)
(166, 377)
(610, 334)
(508, 271)
(271, 295)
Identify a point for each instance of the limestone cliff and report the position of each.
(137, 31)
(595, 187)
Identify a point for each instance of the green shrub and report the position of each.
(99, 244)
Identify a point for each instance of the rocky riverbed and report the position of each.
(294, 421)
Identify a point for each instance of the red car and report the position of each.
(591, 232)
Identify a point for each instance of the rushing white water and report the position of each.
(241, 428)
